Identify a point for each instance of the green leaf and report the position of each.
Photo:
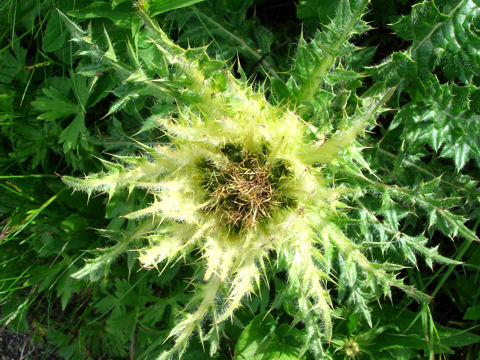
(231, 34)
(259, 341)
(362, 58)
(121, 17)
(66, 287)
(156, 7)
(339, 75)
(390, 212)
(55, 35)
(74, 223)
(96, 268)
(447, 222)
(392, 341)
(442, 119)
(472, 313)
(410, 333)
(401, 71)
(324, 10)
(449, 40)
(315, 58)
(110, 54)
(77, 33)
(69, 136)
(56, 102)
(10, 65)
(281, 91)
(456, 338)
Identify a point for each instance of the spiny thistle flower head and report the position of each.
(240, 180)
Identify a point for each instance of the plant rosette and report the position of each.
(241, 181)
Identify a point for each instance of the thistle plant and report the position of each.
(246, 183)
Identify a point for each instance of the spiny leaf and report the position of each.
(443, 120)
(315, 58)
(448, 39)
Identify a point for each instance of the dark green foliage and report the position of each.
(412, 198)
(447, 37)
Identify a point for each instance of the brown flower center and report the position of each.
(247, 189)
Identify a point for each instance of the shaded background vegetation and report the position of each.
(53, 122)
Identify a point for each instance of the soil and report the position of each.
(15, 346)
